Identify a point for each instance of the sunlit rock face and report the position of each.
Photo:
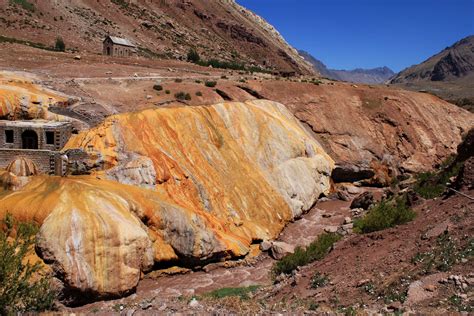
(21, 98)
(187, 183)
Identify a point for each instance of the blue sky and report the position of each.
(347, 34)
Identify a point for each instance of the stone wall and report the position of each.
(61, 135)
(47, 161)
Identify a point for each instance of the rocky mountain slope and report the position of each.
(359, 75)
(452, 63)
(449, 74)
(184, 184)
(374, 128)
(219, 29)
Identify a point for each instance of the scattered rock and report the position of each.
(343, 196)
(265, 245)
(77, 57)
(395, 306)
(145, 305)
(364, 201)
(363, 282)
(194, 303)
(347, 220)
(330, 229)
(351, 173)
(280, 249)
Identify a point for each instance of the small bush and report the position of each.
(210, 84)
(319, 280)
(242, 292)
(444, 255)
(60, 46)
(182, 96)
(22, 287)
(302, 256)
(199, 94)
(198, 81)
(387, 213)
(224, 77)
(24, 4)
(178, 80)
(167, 91)
(432, 184)
(193, 56)
(158, 87)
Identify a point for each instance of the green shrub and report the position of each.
(224, 77)
(303, 256)
(198, 81)
(193, 56)
(210, 84)
(387, 213)
(432, 184)
(178, 80)
(242, 292)
(22, 287)
(444, 255)
(167, 91)
(182, 96)
(60, 46)
(158, 87)
(123, 3)
(319, 280)
(24, 4)
(199, 94)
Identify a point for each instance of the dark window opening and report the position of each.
(9, 137)
(29, 140)
(50, 138)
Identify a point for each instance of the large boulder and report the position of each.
(363, 201)
(280, 249)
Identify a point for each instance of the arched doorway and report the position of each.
(29, 140)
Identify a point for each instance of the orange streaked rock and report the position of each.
(224, 176)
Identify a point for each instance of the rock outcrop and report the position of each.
(22, 99)
(374, 129)
(226, 176)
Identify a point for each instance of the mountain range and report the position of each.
(359, 75)
(448, 74)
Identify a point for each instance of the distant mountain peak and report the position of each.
(358, 75)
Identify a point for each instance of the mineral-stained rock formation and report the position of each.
(226, 176)
(20, 98)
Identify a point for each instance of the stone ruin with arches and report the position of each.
(40, 141)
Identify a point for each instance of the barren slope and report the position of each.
(217, 29)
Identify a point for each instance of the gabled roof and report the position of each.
(120, 41)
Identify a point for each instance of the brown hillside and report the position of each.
(168, 28)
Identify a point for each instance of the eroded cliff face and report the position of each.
(206, 183)
(374, 126)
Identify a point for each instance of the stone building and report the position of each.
(118, 47)
(38, 140)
